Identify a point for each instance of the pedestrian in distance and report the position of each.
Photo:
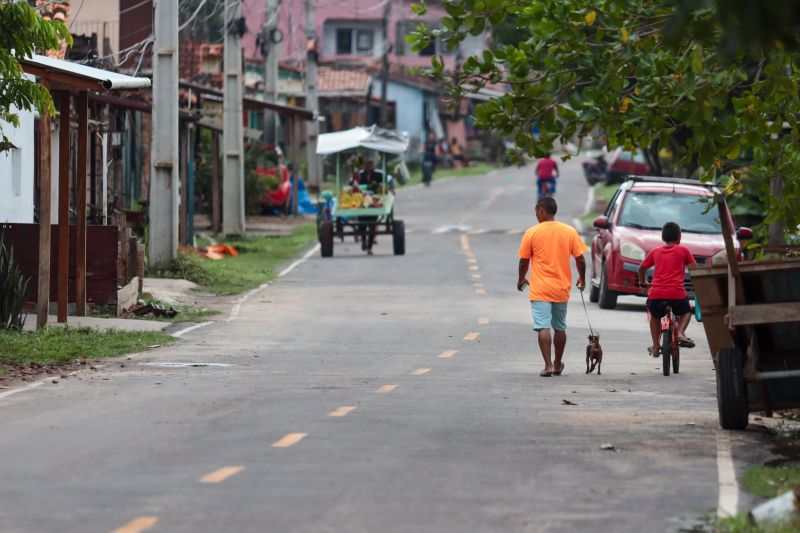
(666, 288)
(546, 174)
(546, 249)
(429, 159)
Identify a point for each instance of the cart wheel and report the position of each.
(326, 239)
(731, 392)
(666, 340)
(607, 298)
(399, 237)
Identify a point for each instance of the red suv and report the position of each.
(631, 227)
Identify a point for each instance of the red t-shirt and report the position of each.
(545, 168)
(670, 263)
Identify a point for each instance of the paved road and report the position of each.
(382, 393)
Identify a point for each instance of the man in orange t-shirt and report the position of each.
(546, 248)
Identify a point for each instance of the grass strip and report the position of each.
(258, 262)
(771, 481)
(58, 345)
(741, 523)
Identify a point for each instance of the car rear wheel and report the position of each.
(607, 299)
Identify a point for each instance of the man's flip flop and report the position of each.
(656, 353)
(559, 371)
(685, 342)
(545, 374)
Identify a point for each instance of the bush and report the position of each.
(13, 289)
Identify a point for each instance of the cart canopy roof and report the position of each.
(369, 138)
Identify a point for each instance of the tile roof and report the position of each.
(342, 81)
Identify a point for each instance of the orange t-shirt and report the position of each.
(549, 245)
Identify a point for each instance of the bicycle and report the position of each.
(545, 189)
(670, 349)
(669, 342)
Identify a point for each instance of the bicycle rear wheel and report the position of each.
(666, 348)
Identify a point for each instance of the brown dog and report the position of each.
(594, 354)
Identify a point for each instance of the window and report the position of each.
(344, 41)
(644, 210)
(356, 41)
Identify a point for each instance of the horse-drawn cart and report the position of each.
(337, 219)
(751, 316)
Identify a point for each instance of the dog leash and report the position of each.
(587, 314)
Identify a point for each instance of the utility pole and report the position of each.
(387, 8)
(232, 128)
(312, 101)
(270, 50)
(163, 208)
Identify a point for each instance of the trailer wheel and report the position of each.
(731, 392)
(326, 239)
(399, 237)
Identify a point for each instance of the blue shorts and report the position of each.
(548, 315)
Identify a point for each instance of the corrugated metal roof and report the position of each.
(105, 79)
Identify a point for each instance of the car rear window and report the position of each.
(651, 210)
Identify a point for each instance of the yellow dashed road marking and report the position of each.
(289, 440)
(472, 260)
(218, 476)
(478, 231)
(480, 291)
(386, 388)
(483, 320)
(448, 353)
(464, 242)
(342, 411)
(476, 276)
(471, 336)
(474, 267)
(136, 525)
(420, 371)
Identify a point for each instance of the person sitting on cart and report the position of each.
(372, 179)
(666, 288)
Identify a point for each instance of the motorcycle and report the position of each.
(595, 168)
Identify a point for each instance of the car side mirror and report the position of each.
(601, 223)
(744, 234)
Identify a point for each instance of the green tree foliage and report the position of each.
(642, 72)
(22, 33)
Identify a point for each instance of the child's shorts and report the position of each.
(658, 308)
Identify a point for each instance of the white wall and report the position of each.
(16, 172)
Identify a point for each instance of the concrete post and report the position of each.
(163, 210)
(233, 222)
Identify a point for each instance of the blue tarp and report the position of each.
(304, 204)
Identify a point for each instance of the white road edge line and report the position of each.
(300, 261)
(728, 487)
(21, 389)
(182, 332)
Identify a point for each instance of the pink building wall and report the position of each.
(359, 14)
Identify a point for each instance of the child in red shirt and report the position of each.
(667, 288)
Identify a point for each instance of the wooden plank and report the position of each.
(63, 205)
(750, 315)
(43, 282)
(80, 205)
(216, 211)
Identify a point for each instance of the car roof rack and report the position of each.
(675, 181)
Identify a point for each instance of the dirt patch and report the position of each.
(14, 374)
